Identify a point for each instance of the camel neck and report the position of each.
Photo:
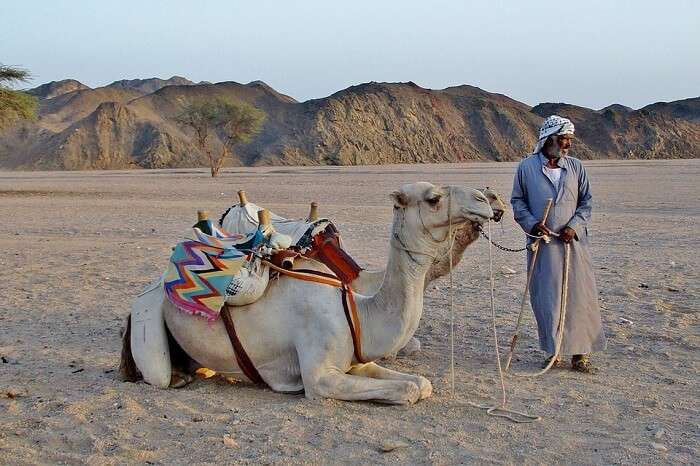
(391, 316)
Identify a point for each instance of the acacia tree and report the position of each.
(233, 122)
(14, 105)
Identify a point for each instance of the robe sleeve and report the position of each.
(518, 199)
(585, 203)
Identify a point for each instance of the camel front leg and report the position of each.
(375, 371)
(335, 384)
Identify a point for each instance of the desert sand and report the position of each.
(78, 246)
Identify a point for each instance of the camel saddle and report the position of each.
(327, 249)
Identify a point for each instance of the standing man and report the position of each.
(550, 173)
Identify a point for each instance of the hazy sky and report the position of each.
(589, 53)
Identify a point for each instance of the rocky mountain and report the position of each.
(60, 112)
(616, 108)
(126, 125)
(635, 134)
(150, 85)
(57, 88)
(687, 109)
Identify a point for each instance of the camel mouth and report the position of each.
(476, 218)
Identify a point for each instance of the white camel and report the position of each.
(369, 281)
(297, 335)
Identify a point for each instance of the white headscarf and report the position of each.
(553, 126)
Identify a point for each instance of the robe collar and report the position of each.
(562, 180)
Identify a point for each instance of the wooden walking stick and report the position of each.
(535, 249)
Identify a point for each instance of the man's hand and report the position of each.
(541, 229)
(567, 234)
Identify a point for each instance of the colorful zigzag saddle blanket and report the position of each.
(201, 268)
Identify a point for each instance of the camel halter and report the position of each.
(396, 238)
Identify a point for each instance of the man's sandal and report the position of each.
(581, 363)
(547, 361)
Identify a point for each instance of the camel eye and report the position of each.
(433, 201)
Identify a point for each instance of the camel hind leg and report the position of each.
(149, 337)
(182, 369)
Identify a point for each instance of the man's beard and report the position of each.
(555, 153)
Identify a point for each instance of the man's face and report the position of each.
(558, 146)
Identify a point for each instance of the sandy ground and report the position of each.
(78, 246)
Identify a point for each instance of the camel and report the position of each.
(297, 334)
(369, 281)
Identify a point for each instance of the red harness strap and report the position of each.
(348, 301)
(242, 358)
(353, 322)
(349, 306)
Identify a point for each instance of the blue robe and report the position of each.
(583, 330)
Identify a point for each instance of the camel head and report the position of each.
(423, 212)
(496, 202)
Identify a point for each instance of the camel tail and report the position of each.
(127, 365)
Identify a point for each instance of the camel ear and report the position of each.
(400, 199)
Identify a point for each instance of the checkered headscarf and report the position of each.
(552, 126)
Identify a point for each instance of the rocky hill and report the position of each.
(130, 123)
(56, 88)
(633, 134)
(147, 86)
(687, 109)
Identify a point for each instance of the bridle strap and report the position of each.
(449, 219)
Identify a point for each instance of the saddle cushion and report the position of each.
(203, 267)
